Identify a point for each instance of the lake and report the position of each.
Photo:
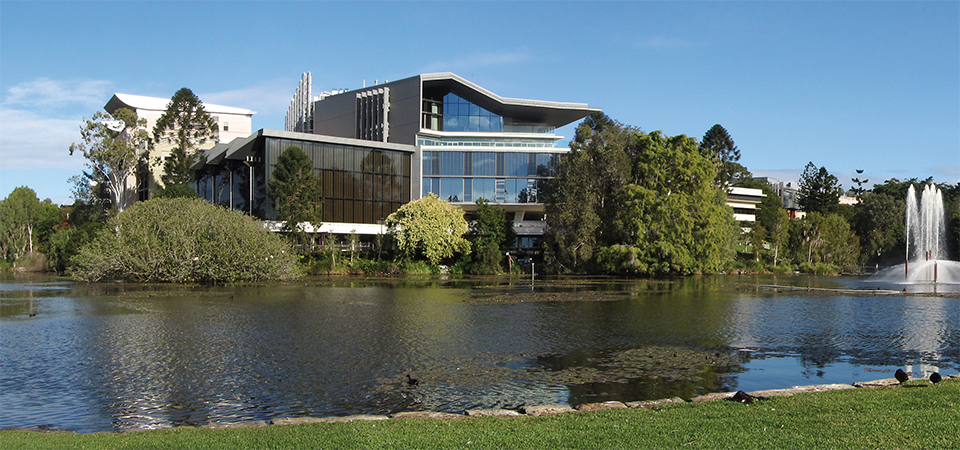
(113, 356)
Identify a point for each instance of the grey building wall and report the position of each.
(336, 115)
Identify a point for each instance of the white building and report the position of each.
(231, 124)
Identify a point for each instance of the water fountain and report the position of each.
(926, 251)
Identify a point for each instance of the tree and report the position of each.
(819, 191)
(20, 213)
(113, 146)
(879, 221)
(184, 240)
(296, 191)
(719, 147)
(581, 202)
(673, 215)
(859, 190)
(488, 236)
(187, 125)
(429, 226)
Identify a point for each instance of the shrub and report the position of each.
(184, 240)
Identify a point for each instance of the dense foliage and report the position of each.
(185, 240)
(819, 190)
(489, 235)
(430, 227)
(638, 203)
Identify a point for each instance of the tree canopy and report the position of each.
(819, 190)
(429, 226)
(489, 234)
(20, 213)
(296, 191)
(637, 203)
(719, 147)
(187, 125)
(113, 146)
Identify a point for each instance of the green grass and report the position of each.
(918, 415)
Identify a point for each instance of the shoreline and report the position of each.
(526, 411)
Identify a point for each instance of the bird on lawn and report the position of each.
(901, 376)
(412, 381)
(935, 377)
(742, 397)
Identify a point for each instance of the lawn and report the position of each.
(916, 415)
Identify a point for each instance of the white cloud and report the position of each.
(32, 141)
(477, 61)
(39, 119)
(46, 93)
(270, 97)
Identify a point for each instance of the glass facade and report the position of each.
(462, 115)
(498, 177)
(360, 184)
(447, 111)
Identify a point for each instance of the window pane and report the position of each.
(468, 189)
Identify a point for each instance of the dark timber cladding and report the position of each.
(363, 181)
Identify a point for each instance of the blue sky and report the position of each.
(846, 85)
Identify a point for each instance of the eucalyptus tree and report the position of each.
(113, 145)
(186, 125)
(20, 214)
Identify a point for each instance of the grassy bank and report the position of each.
(917, 415)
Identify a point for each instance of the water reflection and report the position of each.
(117, 356)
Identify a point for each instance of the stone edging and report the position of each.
(532, 411)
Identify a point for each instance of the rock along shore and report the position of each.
(526, 411)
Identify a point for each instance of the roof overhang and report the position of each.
(556, 114)
(144, 103)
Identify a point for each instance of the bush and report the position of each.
(66, 243)
(184, 240)
(178, 191)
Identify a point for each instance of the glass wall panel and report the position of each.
(484, 164)
(451, 163)
(468, 189)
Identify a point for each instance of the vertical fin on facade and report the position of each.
(373, 109)
(300, 113)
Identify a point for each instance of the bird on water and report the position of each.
(412, 381)
(901, 376)
(935, 377)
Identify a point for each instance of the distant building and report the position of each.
(744, 202)
(787, 190)
(844, 200)
(231, 122)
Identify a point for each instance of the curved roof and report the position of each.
(144, 103)
(555, 114)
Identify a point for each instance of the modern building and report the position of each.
(232, 123)
(378, 147)
(787, 190)
(744, 202)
